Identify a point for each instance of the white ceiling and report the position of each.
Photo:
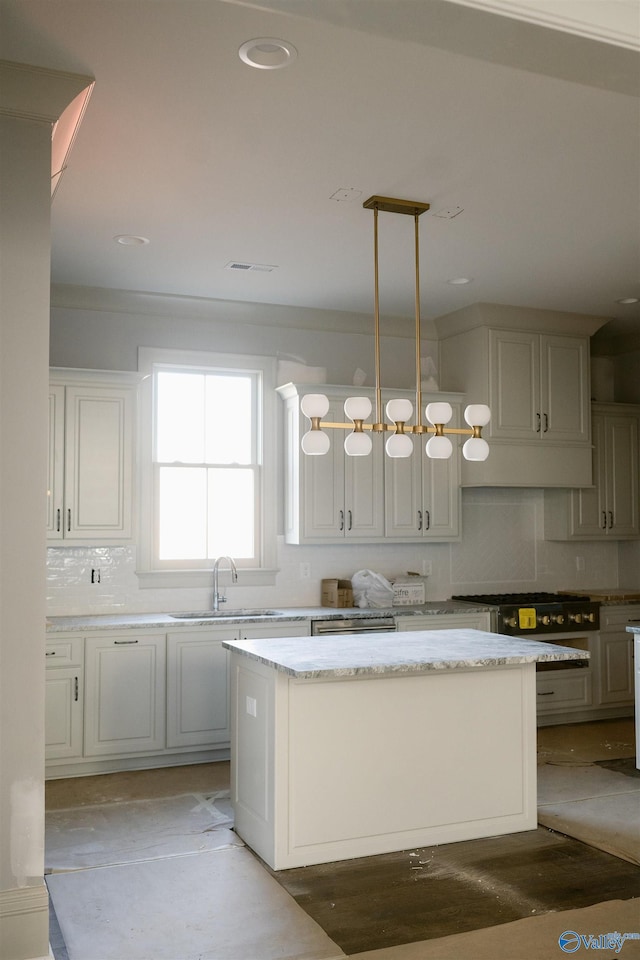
(534, 132)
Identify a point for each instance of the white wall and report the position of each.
(502, 547)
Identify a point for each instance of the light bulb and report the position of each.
(477, 415)
(440, 412)
(357, 408)
(315, 443)
(399, 411)
(439, 448)
(399, 445)
(475, 449)
(314, 405)
(357, 444)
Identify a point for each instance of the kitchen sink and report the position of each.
(214, 614)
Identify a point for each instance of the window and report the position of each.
(208, 489)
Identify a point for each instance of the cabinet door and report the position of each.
(514, 378)
(564, 394)
(98, 462)
(615, 679)
(55, 475)
(403, 496)
(198, 687)
(588, 505)
(322, 492)
(63, 714)
(622, 476)
(441, 497)
(125, 694)
(363, 493)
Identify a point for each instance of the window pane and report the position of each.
(180, 417)
(182, 513)
(231, 513)
(229, 416)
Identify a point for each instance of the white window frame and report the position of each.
(152, 573)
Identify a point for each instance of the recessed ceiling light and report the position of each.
(267, 53)
(458, 281)
(127, 240)
(629, 300)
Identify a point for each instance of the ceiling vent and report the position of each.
(244, 267)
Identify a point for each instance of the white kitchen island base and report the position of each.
(334, 768)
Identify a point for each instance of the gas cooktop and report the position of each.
(518, 614)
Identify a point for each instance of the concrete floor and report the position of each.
(145, 865)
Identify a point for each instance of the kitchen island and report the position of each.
(348, 746)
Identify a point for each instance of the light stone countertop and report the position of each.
(633, 629)
(354, 655)
(146, 621)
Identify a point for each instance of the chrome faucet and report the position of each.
(217, 599)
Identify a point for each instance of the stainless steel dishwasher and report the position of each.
(323, 628)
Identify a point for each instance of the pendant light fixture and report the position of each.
(358, 442)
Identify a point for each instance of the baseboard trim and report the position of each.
(24, 922)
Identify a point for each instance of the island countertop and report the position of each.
(351, 655)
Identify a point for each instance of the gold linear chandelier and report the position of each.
(358, 442)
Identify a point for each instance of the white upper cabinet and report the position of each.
(609, 509)
(539, 387)
(422, 496)
(91, 432)
(536, 379)
(329, 498)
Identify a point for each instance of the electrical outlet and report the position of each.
(304, 571)
(580, 564)
(426, 568)
(95, 575)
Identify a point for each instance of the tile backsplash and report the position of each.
(502, 550)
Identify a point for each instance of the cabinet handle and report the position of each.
(547, 693)
(546, 423)
(50, 653)
(427, 525)
(342, 520)
(350, 520)
(538, 423)
(419, 519)
(610, 520)
(124, 643)
(58, 519)
(69, 520)
(75, 690)
(604, 519)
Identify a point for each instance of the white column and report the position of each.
(31, 102)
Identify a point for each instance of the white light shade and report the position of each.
(357, 408)
(475, 449)
(439, 448)
(315, 443)
(399, 444)
(314, 405)
(357, 445)
(477, 415)
(399, 411)
(440, 412)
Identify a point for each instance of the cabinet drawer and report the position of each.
(618, 618)
(66, 652)
(444, 621)
(563, 691)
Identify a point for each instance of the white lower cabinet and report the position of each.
(64, 688)
(563, 690)
(125, 693)
(130, 698)
(615, 686)
(198, 687)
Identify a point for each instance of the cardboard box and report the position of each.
(409, 592)
(337, 593)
